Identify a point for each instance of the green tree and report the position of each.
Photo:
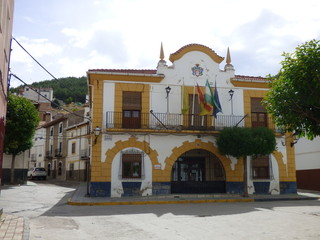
(243, 142)
(294, 97)
(22, 120)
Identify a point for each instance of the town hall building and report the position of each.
(155, 130)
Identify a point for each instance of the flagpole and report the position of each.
(194, 93)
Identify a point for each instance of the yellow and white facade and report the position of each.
(148, 147)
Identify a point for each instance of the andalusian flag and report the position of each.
(213, 98)
(185, 104)
(208, 94)
(205, 107)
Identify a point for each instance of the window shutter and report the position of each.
(256, 105)
(131, 100)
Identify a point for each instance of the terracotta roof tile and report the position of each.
(137, 71)
(250, 78)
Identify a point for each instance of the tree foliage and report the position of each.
(21, 122)
(243, 142)
(294, 98)
(65, 89)
(240, 142)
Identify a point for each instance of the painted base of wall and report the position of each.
(100, 189)
(103, 189)
(288, 187)
(20, 176)
(234, 187)
(309, 179)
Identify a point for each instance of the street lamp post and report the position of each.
(231, 92)
(168, 89)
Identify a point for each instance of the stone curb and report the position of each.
(184, 201)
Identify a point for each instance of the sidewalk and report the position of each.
(79, 198)
(13, 228)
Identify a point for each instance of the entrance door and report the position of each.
(188, 174)
(197, 174)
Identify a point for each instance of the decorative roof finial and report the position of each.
(228, 60)
(228, 65)
(162, 63)
(161, 53)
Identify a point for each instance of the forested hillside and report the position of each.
(70, 89)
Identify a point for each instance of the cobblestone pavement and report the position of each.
(12, 228)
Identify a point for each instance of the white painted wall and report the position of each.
(307, 154)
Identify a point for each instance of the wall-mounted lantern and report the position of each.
(96, 132)
(231, 92)
(168, 89)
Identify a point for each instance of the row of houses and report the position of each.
(60, 144)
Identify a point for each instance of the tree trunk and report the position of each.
(245, 177)
(12, 169)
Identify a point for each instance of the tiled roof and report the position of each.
(250, 78)
(136, 71)
(195, 47)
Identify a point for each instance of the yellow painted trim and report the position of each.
(120, 145)
(124, 77)
(231, 175)
(196, 47)
(250, 84)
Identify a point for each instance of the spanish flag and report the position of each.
(205, 107)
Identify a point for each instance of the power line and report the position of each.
(49, 99)
(34, 58)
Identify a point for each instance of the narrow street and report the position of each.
(43, 205)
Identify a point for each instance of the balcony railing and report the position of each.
(58, 152)
(84, 154)
(33, 157)
(49, 155)
(171, 121)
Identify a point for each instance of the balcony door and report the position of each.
(131, 109)
(259, 115)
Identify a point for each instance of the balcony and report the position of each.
(84, 154)
(33, 157)
(58, 152)
(49, 155)
(183, 122)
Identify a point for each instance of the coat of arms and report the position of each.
(197, 70)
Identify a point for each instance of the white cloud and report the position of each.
(128, 33)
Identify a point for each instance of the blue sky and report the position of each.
(69, 37)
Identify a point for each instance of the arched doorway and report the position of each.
(198, 171)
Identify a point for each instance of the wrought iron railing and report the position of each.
(172, 121)
(58, 152)
(84, 153)
(49, 155)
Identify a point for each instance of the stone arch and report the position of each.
(231, 175)
(133, 143)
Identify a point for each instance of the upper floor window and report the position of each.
(131, 109)
(60, 127)
(73, 147)
(51, 131)
(259, 115)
